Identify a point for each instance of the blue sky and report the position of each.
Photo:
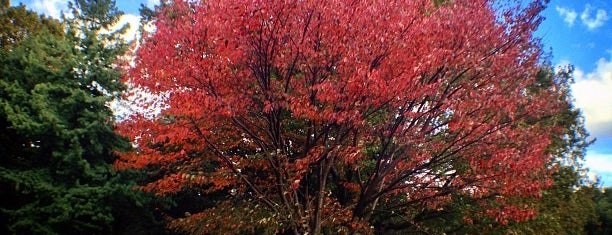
(577, 32)
(580, 33)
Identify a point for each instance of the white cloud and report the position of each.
(600, 165)
(569, 15)
(592, 23)
(599, 162)
(151, 3)
(593, 94)
(133, 21)
(51, 8)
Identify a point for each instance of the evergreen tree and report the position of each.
(56, 130)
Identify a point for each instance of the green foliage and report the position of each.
(17, 23)
(566, 208)
(56, 131)
(603, 208)
(99, 46)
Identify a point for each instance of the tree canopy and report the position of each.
(344, 116)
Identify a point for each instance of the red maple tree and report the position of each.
(320, 116)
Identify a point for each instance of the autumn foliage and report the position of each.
(325, 116)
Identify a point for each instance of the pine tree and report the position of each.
(56, 130)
